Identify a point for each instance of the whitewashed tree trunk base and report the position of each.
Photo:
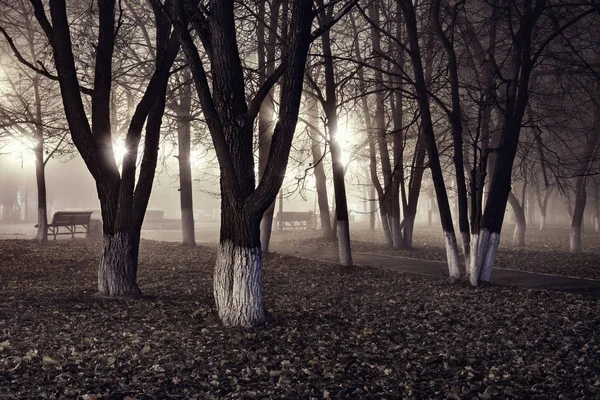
(471, 267)
(345, 252)
(118, 266)
(238, 286)
(452, 256)
(487, 254)
(42, 229)
(187, 227)
(519, 235)
(575, 240)
(596, 224)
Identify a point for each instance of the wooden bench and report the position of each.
(69, 220)
(153, 219)
(295, 220)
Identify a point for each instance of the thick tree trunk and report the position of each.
(238, 285)
(483, 253)
(118, 265)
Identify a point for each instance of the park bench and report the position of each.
(295, 220)
(153, 219)
(69, 220)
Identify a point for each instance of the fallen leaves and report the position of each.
(363, 333)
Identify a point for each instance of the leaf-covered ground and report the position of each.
(359, 334)
(545, 252)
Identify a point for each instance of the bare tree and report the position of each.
(230, 119)
(123, 202)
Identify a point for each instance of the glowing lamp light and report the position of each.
(21, 148)
(119, 149)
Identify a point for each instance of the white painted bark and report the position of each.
(238, 287)
(344, 250)
(575, 240)
(118, 266)
(487, 254)
(596, 224)
(471, 267)
(542, 222)
(42, 229)
(519, 234)
(452, 256)
(187, 227)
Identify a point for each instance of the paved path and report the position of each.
(500, 276)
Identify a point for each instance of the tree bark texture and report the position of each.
(118, 265)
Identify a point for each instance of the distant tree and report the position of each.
(29, 112)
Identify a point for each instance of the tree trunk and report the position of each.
(319, 171)
(520, 221)
(266, 116)
(238, 270)
(372, 209)
(330, 108)
(265, 131)
(185, 184)
(40, 164)
(118, 265)
(390, 200)
(577, 219)
(237, 283)
(543, 205)
(457, 134)
(40, 175)
(591, 149)
(185, 167)
(429, 139)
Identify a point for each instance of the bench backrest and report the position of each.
(290, 216)
(71, 217)
(153, 215)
